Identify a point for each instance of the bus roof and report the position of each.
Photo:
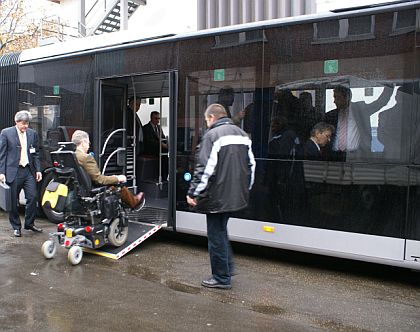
(132, 38)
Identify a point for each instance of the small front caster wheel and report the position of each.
(49, 249)
(75, 255)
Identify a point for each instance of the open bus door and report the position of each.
(154, 175)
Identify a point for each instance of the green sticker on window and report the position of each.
(219, 75)
(330, 66)
(56, 90)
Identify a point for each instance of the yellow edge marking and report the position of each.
(100, 253)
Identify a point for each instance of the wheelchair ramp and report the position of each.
(137, 233)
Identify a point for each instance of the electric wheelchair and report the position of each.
(93, 217)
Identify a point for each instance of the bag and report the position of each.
(5, 197)
(55, 196)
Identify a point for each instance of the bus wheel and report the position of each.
(53, 216)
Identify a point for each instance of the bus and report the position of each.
(362, 206)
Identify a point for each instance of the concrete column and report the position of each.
(201, 15)
(284, 8)
(123, 15)
(82, 18)
(246, 11)
(259, 10)
(310, 7)
(234, 12)
(296, 7)
(223, 13)
(211, 14)
(272, 9)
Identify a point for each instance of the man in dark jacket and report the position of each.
(20, 169)
(223, 176)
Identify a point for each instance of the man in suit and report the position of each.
(81, 139)
(20, 169)
(154, 138)
(352, 122)
(131, 116)
(320, 136)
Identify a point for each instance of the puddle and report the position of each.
(268, 309)
(180, 287)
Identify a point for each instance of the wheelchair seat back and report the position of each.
(69, 164)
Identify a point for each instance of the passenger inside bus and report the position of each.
(226, 99)
(154, 137)
(130, 116)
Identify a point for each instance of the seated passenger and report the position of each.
(81, 139)
(320, 136)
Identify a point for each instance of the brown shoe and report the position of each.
(132, 201)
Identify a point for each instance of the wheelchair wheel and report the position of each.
(75, 255)
(49, 249)
(117, 234)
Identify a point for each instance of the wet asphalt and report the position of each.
(156, 287)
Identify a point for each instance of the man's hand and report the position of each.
(191, 201)
(38, 176)
(121, 178)
(2, 178)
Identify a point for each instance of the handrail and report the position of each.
(109, 158)
(108, 138)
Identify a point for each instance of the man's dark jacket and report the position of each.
(224, 169)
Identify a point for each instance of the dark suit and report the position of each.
(151, 140)
(18, 177)
(311, 151)
(139, 130)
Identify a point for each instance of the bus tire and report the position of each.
(53, 216)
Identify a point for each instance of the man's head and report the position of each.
(213, 113)
(155, 118)
(278, 123)
(226, 96)
(131, 103)
(22, 119)
(81, 139)
(321, 133)
(342, 97)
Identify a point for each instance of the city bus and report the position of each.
(361, 206)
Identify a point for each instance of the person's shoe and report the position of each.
(139, 200)
(33, 228)
(17, 233)
(213, 283)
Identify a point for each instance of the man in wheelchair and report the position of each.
(93, 216)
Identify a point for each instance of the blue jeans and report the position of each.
(221, 257)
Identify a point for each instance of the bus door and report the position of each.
(114, 157)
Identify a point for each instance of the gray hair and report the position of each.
(79, 136)
(217, 110)
(321, 127)
(24, 116)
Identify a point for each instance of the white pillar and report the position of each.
(123, 15)
(284, 8)
(223, 13)
(201, 17)
(310, 7)
(234, 12)
(272, 9)
(296, 7)
(246, 11)
(259, 10)
(211, 14)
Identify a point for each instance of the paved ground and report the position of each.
(157, 288)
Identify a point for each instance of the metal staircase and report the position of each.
(105, 15)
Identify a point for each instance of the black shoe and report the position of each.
(34, 229)
(213, 283)
(17, 233)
